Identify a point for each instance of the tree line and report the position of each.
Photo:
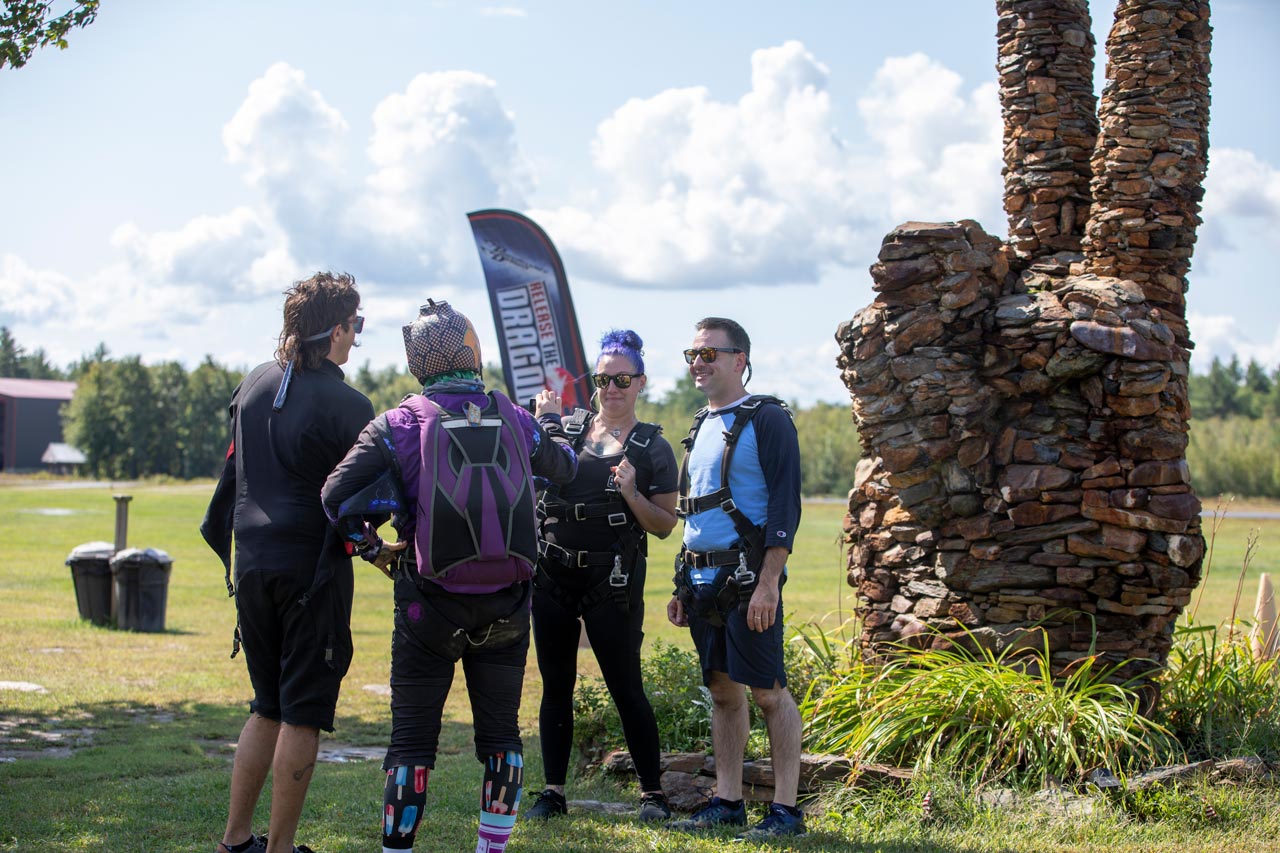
(135, 420)
(1229, 390)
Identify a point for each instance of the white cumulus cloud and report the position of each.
(215, 252)
(696, 192)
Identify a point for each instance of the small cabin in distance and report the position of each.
(30, 420)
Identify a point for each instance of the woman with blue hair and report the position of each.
(591, 567)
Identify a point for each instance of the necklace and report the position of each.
(616, 432)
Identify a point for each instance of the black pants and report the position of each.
(434, 629)
(616, 641)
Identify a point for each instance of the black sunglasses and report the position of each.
(622, 380)
(357, 324)
(708, 354)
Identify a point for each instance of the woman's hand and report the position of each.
(624, 476)
(547, 402)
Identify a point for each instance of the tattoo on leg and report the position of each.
(298, 775)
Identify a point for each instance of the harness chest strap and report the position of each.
(630, 536)
(615, 509)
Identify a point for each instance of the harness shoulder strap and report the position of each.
(637, 447)
(575, 427)
(698, 417)
(746, 414)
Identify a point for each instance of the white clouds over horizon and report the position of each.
(1241, 207)
(687, 191)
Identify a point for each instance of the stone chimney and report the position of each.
(1023, 406)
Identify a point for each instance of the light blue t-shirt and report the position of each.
(713, 530)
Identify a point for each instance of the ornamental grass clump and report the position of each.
(1218, 699)
(987, 715)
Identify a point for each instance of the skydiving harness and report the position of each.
(631, 536)
(736, 568)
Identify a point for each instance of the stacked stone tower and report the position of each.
(1022, 405)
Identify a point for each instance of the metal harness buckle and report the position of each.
(743, 575)
(617, 519)
(617, 577)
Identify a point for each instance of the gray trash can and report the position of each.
(91, 574)
(141, 579)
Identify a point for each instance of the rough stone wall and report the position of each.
(1024, 417)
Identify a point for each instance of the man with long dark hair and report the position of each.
(292, 420)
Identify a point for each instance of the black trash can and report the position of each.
(142, 588)
(91, 574)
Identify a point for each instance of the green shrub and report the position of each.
(1218, 699)
(672, 678)
(985, 715)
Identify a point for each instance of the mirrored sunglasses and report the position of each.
(707, 354)
(622, 380)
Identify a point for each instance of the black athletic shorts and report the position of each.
(747, 657)
(297, 656)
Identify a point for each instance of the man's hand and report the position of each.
(675, 613)
(763, 607)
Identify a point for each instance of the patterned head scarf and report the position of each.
(440, 340)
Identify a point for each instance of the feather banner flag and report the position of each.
(533, 312)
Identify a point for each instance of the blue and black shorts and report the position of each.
(748, 657)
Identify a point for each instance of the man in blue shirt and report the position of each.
(731, 571)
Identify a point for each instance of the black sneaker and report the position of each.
(259, 845)
(776, 823)
(653, 807)
(548, 805)
(714, 814)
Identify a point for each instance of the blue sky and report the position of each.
(168, 175)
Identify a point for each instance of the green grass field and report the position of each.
(127, 747)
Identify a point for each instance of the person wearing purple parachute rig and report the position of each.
(454, 468)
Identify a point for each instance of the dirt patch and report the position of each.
(27, 738)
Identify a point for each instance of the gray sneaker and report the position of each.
(653, 807)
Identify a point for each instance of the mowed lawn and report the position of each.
(126, 745)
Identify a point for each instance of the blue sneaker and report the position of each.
(714, 814)
(776, 823)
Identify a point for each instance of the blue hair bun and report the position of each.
(621, 339)
(623, 342)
